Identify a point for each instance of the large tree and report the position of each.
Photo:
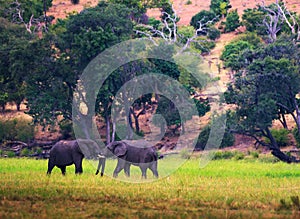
(265, 89)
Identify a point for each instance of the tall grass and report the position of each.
(224, 188)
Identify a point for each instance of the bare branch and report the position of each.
(169, 30)
(33, 25)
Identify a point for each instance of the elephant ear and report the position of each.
(120, 149)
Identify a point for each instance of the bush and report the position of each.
(25, 152)
(254, 154)
(16, 130)
(205, 45)
(10, 154)
(232, 21)
(281, 137)
(239, 156)
(213, 33)
(220, 155)
(251, 38)
(228, 139)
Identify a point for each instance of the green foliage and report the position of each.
(232, 21)
(223, 155)
(66, 129)
(251, 38)
(25, 152)
(203, 17)
(213, 33)
(188, 2)
(10, 154)
(27, 8)
(239, 156)
(281, 137)
(14, 64)
(253, 20)
(254, 154)
(204, 45)
(232, 52)
(16, 129)
(220, 7)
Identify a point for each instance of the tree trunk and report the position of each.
(136, 120)
(277, 152)
(107, 121)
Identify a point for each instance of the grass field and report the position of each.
(223, 189)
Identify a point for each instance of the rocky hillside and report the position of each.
(185, 10)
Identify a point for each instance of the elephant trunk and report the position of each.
(101, 164)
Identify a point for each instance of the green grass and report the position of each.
(223, 189)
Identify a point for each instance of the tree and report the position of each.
(265, 90)
(31, 13)
(204, 17)
(272, 20)
(220, 7)
(55, 73)
(13, 66)
(232, 21)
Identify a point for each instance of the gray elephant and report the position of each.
(65, 153)
(144, 157)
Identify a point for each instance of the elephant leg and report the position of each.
(78, 165)
(120, 166)
(63, 170)
(50, 167)
(144, 171)
(153, 168)
(127, 169)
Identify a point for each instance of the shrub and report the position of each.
(16, 130)
(189, 2)
(213, 33)
(220, 155)
(251, 38)
(281, 137)
(254, 154)
(239, 156)
(10, 154)
(25, 152)
(232, 21)
(204, 45)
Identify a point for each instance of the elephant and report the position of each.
(144, 157)
(65, 153)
